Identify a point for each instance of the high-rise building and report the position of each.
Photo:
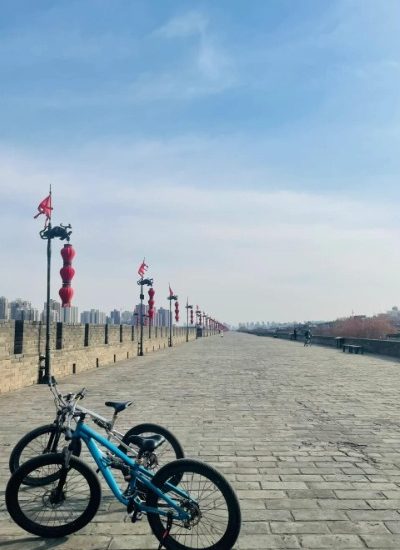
(115, 317)
(162, 317)
(70, 315)
(55, 311)
(21, 310)
(127, 317)
(4, 313)
(93, 317)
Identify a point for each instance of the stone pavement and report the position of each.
(309, 438)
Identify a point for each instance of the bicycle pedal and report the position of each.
(134, 516)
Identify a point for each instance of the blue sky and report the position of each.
(223, 140)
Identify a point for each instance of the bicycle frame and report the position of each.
(60, 420)
(137, 472)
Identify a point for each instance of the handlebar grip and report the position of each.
(81, 394)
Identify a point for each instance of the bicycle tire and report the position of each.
(191, 468)
(40, 448)
(13, 502)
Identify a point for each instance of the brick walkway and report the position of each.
(309, 437)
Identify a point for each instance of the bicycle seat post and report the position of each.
(113, 420)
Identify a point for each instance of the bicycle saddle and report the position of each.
(149, 443)
(118, 407)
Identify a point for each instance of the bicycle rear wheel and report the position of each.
(57, 508)
(42, 440)
(214, 510)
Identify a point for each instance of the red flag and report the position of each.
(45, 208)
(170, 290)
(143, 267)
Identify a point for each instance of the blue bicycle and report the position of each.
(188, 504)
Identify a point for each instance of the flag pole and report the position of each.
(141, 282)
(46, 377)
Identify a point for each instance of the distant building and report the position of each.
(70, 315)
(93, 317)
(162, 317)
(55, 311)
(115, 317)
(22, 310)
(127, 317)
(4, 313)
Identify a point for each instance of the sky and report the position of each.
(248, 150)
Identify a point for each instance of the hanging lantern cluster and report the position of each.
(191, 316)
(151, 304)
(67, 273)
(176, 311)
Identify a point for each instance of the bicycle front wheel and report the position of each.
(42, 440)
(57, 508)
(211, 502)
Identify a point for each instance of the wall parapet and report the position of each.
(378, 346)
(74, 348)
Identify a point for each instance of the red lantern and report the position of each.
(68, 254)
(176, 311)
(66, 294)
(151, 303)
(67, 273)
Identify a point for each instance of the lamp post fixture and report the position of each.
(171, 297)
(142, 282)
(187, 319)
(49, 233)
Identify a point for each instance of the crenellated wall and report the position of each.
(74, 348)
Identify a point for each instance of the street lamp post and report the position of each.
(187, 319)
(171, 297)
(142, 282)
(49, 233)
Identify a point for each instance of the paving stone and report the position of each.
(295, 527)
(318, 515)
(261, 542)
(308, 437)
(382, 541)
(358, 527)
(339, 542)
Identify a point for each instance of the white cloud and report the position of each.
(241, 254)
(183, 25)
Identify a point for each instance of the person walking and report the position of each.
(307, 337)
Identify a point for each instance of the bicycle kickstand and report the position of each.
(166, 532)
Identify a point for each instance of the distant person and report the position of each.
(307, 337)
(295, 334)
(221, 333)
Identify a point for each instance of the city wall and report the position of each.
(74, 348)
(370, 345)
